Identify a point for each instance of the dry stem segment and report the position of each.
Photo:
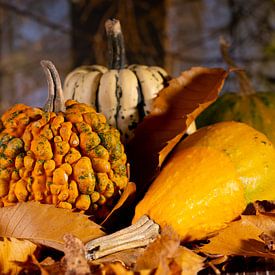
(245, 84)
(55, 101)
(116, 48)
(140, 234)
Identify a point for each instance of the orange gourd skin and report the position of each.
(60, 158)
(197, 193)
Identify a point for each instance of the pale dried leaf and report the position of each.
(12, 251)
(165, 256)
(33, 266)
(242, 238)
(158, 252)
(189, 262)
(201, 87)
(48, 261)
(174, 110)
(264, 221)
(46, 224)
(269, 241)
(75, 260)
(57, 268)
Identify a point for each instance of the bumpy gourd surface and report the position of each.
(197, 193)
(72, 159)
(251, 152)
(256, 110)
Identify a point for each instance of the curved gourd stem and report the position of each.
(116, 49)
(140, 234)
(55, 101)
(244, 82)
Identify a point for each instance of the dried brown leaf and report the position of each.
(260, 207)
(264, 221)
(32, 266)
(166, 256)
(158, 252)
(242, 237)
(13, 251)
(46, 224)
(189, 262)
(75, 260)
(174, 110)
(269, 241)
(53, 268)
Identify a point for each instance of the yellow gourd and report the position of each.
(251, 151)
(197, 193)
(209, 178)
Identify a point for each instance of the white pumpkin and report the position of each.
(124, 94)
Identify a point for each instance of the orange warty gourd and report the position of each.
(197, 193)
(71, 158)
(209, 178)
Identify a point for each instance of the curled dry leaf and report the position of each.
(174, 110)
(75, 260)
(189, 262)
(262, 207)
(242, 237)
(12, 251)
(158, 252)
(50, 266)
(46, 224)
(166, 256)
(264, 221)
(269, 241)
(33, 266)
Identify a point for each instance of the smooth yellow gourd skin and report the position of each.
(197, 193)
(252, 153)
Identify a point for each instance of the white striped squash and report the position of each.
(124, 94)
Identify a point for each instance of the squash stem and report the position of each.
(244, 82)
(116, 48)
(55, 101)
(140, 234)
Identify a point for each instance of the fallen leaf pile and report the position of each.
(12, 250)
(249, 236)
(166, 255)
(43, 239)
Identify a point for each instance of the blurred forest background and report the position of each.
(174, 34)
